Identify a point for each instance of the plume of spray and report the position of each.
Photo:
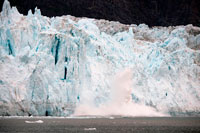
(120, 103)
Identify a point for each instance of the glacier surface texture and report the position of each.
(64, 66)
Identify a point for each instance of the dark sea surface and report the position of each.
(100, 125)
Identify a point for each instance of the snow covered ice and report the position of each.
(63, 66)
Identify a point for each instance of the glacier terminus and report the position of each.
(70, 66)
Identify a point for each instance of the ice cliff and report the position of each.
(65, 66)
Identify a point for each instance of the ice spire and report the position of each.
(37, 11)
(6, 8)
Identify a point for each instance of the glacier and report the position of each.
(69, 66)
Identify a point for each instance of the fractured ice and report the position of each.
(66, 65)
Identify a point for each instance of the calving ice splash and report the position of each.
(63, 66)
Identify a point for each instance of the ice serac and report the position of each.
(65, 66)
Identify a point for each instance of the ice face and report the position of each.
(64, 66)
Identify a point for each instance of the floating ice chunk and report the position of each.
(90, 129)
(38, 121)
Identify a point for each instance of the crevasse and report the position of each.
(63, 66)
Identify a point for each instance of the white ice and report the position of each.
(63, 66)
(38, 121)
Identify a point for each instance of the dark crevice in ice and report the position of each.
(57, 49)
(10, 51)
(47, 113)
(65, 74)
